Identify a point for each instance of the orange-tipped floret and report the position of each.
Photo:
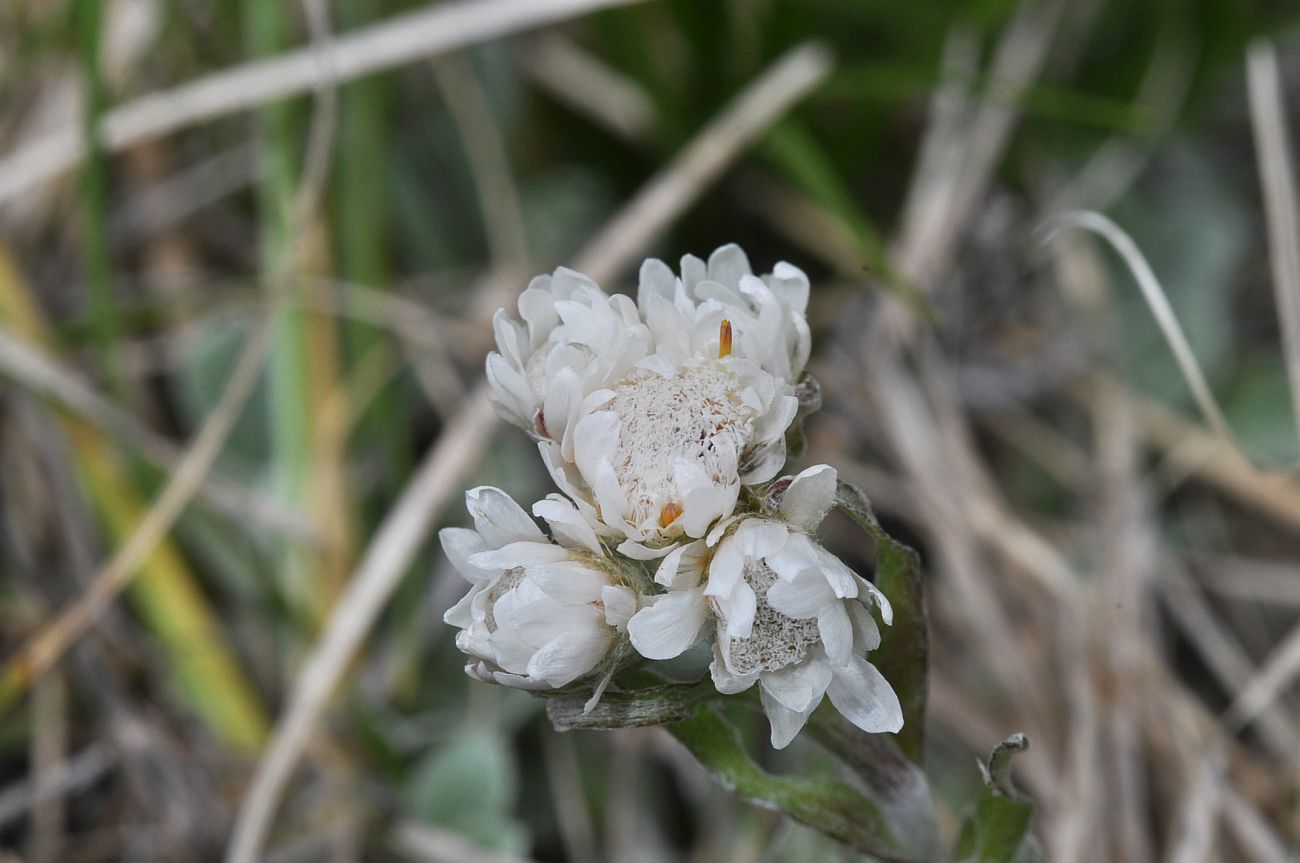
(724, 339)
(670, 513)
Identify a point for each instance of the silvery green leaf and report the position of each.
(903, 654)
(997, 830)
(834, 808)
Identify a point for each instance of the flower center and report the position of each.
(696, 415)
(776, 640)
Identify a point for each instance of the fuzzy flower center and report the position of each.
(776, 641)
(696, 414)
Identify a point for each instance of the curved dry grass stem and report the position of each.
(44, 375)
(399, 40)
(1278, 182)
(467, 434)
(1158, 302)
(48, 646)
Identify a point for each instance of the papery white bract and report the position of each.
(785, 613)
(767, 314)
(652, 416)
(573, 339)
(539, 614)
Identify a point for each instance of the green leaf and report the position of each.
(903, 655)
(892, 782)
(832, 807)
(469, 786)
(997, 829)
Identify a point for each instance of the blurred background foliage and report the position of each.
(146, 268)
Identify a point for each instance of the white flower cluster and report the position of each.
(653, 418)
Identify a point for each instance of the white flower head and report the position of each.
(766, 314)
(786, 613)
(539, 614)
(572, 339)
(651, 416)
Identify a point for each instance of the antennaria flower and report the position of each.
(784, 611)
(651, 417)
(539, 614)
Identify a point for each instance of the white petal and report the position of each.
(510, 338)
(681, 569)
(798, 554)
(661, 364)
(759, 537)
(724, 570)
(882, 601)
(609, 495)
(764, 462)
(798, 687)
(656, 279)
(560, 404)
(567, 523)
(703, 506)
(842, 580)
(864, 697)
(568, 581)
(836, 631)
(620, 605)
(566, 282)
(739, 609)
(785, 723)
(694, 271)
(728, 265)
(802, 597)
(570, 656)
(809, 496)
(537, 308)
(459, 615)
(460, 544)
(640, 551)
(498, 519)
(510, 391)
(776, 419)
(505, 678)
(515, 554)
(866, 635)
(673, 624)
(791, 285)
(724, 679)
(595, 438)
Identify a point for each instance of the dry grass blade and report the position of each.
(1193, 451)
(1277, 673)
(1155, 297)
(489, 164)
(82, 769)
(467, 434)
(400, 40)
(40, 373)
(49, 645)
(668, 194)
(1277, 179)
(591, 87)
(1224, 656)
(1199, 816)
